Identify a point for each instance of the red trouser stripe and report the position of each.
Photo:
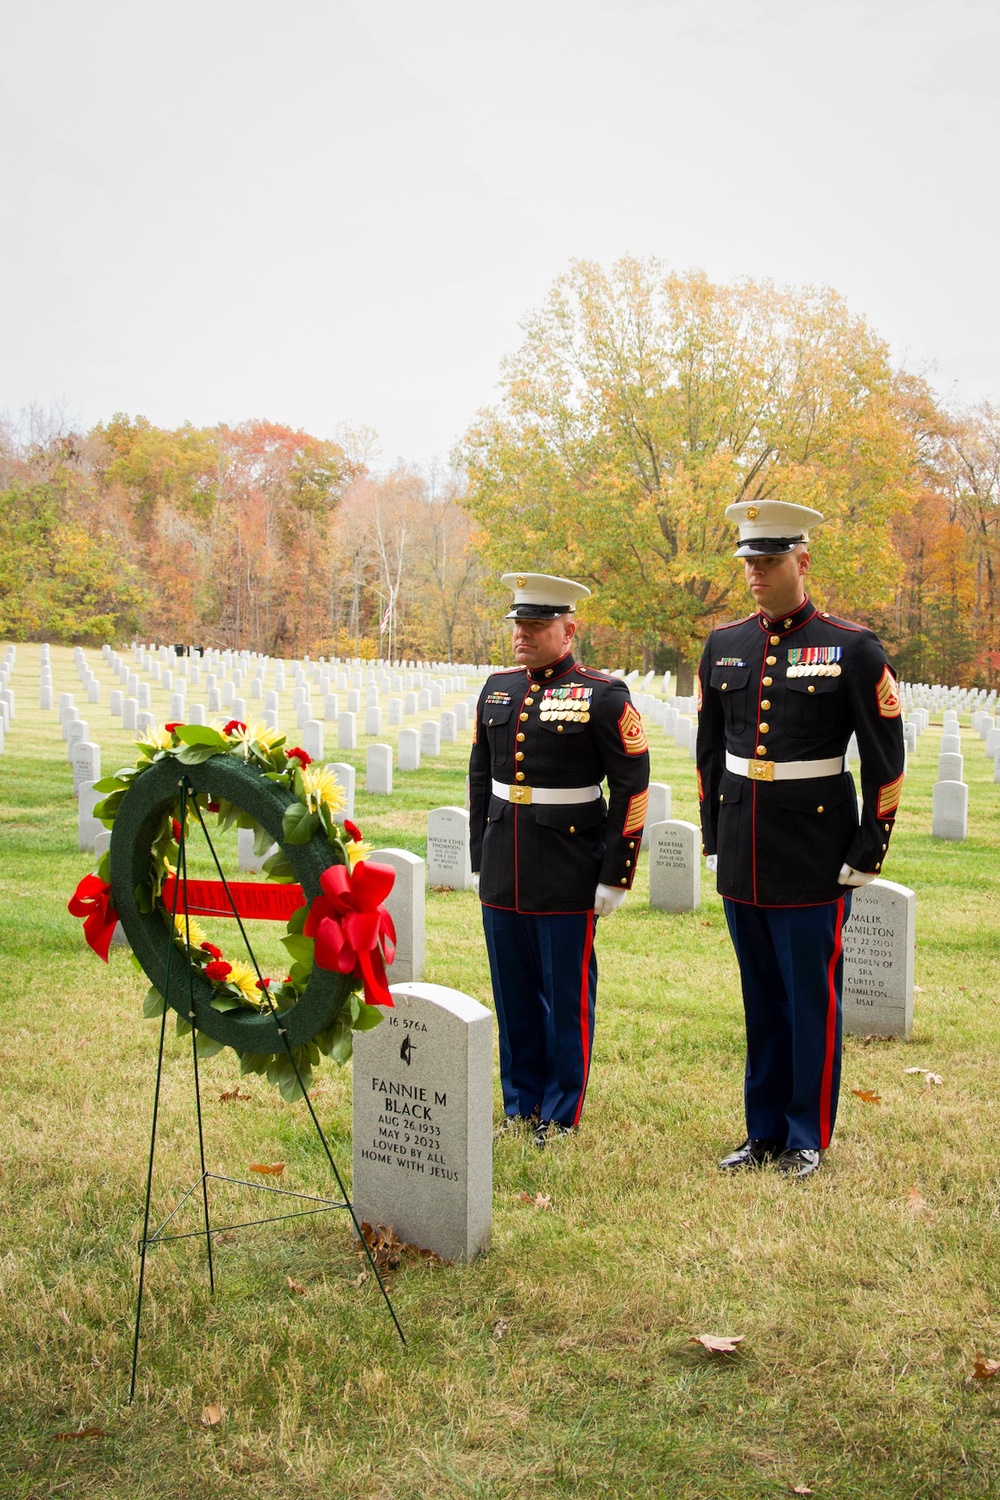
(826, 1087)
(585, 1038)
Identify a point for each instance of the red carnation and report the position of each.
(212, 806)
(300, 755)
(233, 725)
(352, 830)
(263, 984)
(212, 950)
(218, 970)
(175, 829)
(171, 727)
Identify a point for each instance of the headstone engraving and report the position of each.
(448, 861)
(674, 865)
(879, 945)
(423, 1121)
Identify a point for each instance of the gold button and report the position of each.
(519, 755)
(821, 808)
(768, 681)
(548, 671)
(491, 721)
(520, 736)
(765, 703)
(886, 827)
(572, 829)
(884, 848)
(523, 718)
(559, 729)
(775, 640)
(761, 749)
(764, 728)
(631, 843)
(724, 686)
(528, 702)
(519, 776)
(811, 688)
(628, 864)
(624, 880)
(721, 797)
(787, 624)
(877, 868)
(771, 660)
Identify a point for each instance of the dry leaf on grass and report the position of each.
(268, 1169)
(801, 1489)
(230, 1095)
(444, 890)
(867, 1096)
(212, 1415)
(718, 1343)
(929, 1078)
(387, 1250)
(295, 1286)
(501, 1328)
(81, 1432)
(917, 1200)
(540, 1200)
(985, 1369)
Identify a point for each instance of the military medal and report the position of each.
(814, 661)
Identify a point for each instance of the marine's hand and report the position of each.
(712, 863)
(855, 878)
(607, 899)
(475, 881)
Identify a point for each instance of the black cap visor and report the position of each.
(767, 546)
(539, 611)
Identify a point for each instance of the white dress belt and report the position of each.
(554, 795)
(784, 770)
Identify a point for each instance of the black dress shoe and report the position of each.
(752, 1153)
(800, 1163)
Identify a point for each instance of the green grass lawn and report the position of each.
(561, 1362)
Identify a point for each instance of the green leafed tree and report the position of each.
(641, 403)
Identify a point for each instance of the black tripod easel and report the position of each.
(317, 1205)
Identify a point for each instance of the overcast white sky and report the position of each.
(335, 211)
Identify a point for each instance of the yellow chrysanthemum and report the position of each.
(159, 738)
(322, 789)
(358, 850)
(189, 931)
(260, 731)
(245, 979)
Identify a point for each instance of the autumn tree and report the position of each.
(641, 403)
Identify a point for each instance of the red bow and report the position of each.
(92, 901)
(353, 931)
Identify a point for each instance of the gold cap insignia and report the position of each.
(753, 513)
(520, 583)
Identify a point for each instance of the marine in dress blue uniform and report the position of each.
(551, 852)
(781, 692)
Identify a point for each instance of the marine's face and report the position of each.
(539, 643)
(777, 583)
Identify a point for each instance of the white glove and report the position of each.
(712, 863)
(475, 881)
(607, 898)
(851, 877)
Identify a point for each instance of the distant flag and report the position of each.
(385, 619)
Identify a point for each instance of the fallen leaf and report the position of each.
(318, 1091)
(444, 890)
(274, 1169)
(932, 1078)
(917, 1201)
(237, 1093)
(801, 1489)
(387, 1250)
(716, 1343)
(501, 1328)
(81, 1432)
(867, 1096)
(295, 1286)
(985, 1369)
(361, 1278)
(913, 1070)
(212, 1415)
(540, 1200)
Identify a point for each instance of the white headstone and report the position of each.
(130, 708)
(395, 711)
(674, 865)
(951, 744)
(405, 904)
(88, 827)
(331, 707)
(951, 767)
(448, 862)
(347, 731)
(373, 720)
(246, 859)
(879, 944)
(430, 738)
(86, 762)
(409, 750)
(312, 738)
(449, 726)
(422, 1128)
(658, 810)
(347, 776)
(950, 810)
(378, 769)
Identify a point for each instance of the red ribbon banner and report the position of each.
(353, 931)
(251, 898)
(92, 901)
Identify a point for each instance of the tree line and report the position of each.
(638, 405)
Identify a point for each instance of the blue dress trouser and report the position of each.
(544, 973)
(791, 962)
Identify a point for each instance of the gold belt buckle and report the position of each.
(760, 770)
(520, 794)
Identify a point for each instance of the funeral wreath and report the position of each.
(339, 937)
